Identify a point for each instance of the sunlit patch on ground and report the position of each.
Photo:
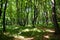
(49, 30)
(22, 38)
(46, 36)
(6, 33)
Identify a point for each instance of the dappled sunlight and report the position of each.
(49, 30)
(29, 25)
(35, 29)
(16, 27)
(29, 19)
(6, 33)
(19, 33)
(22, 38)
(46, 36)
(25, 30)
(19, 37)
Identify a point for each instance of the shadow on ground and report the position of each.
(5, 37)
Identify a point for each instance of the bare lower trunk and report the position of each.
(4, 28)
(57, 29)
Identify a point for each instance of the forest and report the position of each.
(29, 20)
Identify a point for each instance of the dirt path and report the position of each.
(22, 38)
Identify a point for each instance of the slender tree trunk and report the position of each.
(54, 16)
(17, 6)
(45, 12)
(27, 12)
(46, 18)
(4, 28)
(35, 16)
(1, 6)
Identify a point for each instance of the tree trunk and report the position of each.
(1, 7)
(54, 17)
(17, 6)
(4, 28)
(35, 16)
(46, 18)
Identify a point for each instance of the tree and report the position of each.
(17, 6)
(1, 1)
(54, 17)
(35, 15)
(5, 7)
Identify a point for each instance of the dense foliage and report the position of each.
(29, 17)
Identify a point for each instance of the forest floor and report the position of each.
(48, 35)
